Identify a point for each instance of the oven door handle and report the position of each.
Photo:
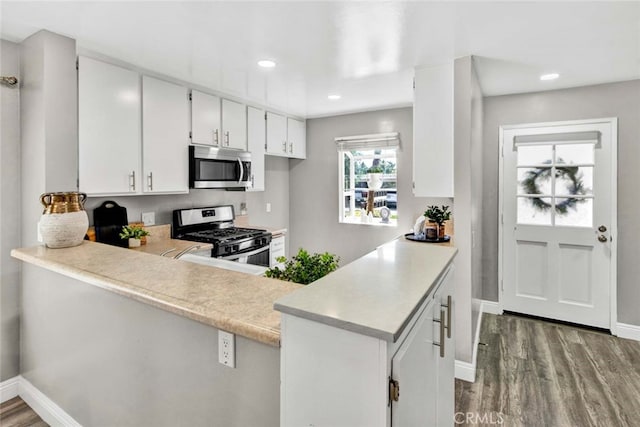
(241, 171)
(244, 254)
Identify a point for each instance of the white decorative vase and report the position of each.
(64, 222)
(374, 181)
(134, 243)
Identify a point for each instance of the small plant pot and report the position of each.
(134, 243)
(374, 181)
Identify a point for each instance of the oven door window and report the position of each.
(217, 170)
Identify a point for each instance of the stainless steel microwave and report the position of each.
(211, 167)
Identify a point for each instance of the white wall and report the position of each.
(108, 360)
(313, 186)
(10, 217)
(621, 100)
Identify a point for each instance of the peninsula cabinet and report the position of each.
(296, 138)
(165, 137)
(234, 125)
(361, 380)
(433, 131)
(108, 128)
(205, 119)
(256, 140)
(277, 135)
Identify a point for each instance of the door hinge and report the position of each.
(414, 82)
(394, 390)
(265, 116)
(190, 135)
(77, 64)
(190, 98)
(265, 146)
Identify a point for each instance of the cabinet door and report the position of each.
(297, 138)
(277, 135)
(256, 138)
(446, 365)
(433, 132)
(205, 119)
(165, 137)
(276, 250)
(414, 367)
(108, 128)
(234, 125)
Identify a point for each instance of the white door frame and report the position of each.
(614, 207)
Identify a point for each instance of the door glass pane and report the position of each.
(577, 212)
(574, 180)
(534, 210)
(574, 154)
(534, 155)
(534, 180)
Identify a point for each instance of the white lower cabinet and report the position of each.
(354, 376)
(276, 250)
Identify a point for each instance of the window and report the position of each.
(364, 197)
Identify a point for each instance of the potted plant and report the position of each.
(134, 233)
(374, 177)
(438, 215)
(304, 268)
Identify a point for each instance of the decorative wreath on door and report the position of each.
(576, 187)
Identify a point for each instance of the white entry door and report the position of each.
(558, 200)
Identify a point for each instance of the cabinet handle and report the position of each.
(215, 137)
(291, 147)
(150, 181)
(133, 181)
(448, 306)
(284, 146)
(442, 341)
(252, 181)
(226, 138)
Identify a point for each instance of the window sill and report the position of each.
(376, 222)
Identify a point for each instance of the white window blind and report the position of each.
(591, 137)
(389, 140)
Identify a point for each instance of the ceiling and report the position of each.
(365, 51)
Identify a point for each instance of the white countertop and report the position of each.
(375, 295)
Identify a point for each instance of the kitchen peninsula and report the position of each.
(106, 359)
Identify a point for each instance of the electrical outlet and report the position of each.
(149, 218)
(227, 349)
(268, 207)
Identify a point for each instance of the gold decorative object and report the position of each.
(64, 221)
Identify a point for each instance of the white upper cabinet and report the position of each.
(205, 119)
(277, 135)
(165, 137)
(297, 138)
(256, 137)
(433, 132)
(234, 125)
(109, 128)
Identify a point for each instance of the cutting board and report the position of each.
(108, 219)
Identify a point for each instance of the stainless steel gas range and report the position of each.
(215, 225)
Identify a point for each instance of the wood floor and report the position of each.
(16, 413)
(534, 373)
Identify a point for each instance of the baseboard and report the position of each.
(631, 332)
(9, 389)
(46, 408)
(465, 371)
(491, 307)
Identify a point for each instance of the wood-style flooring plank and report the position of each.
(534, 373)
(16, 413)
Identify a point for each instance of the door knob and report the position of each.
(602, 229)
(602, 238)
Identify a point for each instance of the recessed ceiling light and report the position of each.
(550, 76)
(334, 97)
(266, 63)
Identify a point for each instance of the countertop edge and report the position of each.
(268, 336)
(387, 335)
